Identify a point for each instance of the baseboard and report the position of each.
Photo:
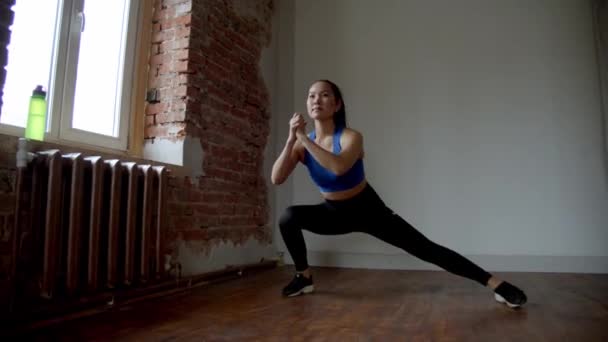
(495, 263)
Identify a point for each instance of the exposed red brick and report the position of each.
(174, 2)
(160, 59)
(182, 32)
(156, 131)
(149, 121)
(181, 66)
(181, 55)
(205, 67)
(170, 117)
(156, 108)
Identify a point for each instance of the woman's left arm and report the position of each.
(352, 147)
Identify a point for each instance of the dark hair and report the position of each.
(340, 115)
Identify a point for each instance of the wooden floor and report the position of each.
(358, 305)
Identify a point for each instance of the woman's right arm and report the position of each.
(286, 162)
(291, 154)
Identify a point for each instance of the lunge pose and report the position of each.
(333, 154)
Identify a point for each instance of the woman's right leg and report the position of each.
(319, 219)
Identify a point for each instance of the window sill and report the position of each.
(8, 149)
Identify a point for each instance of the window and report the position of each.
(83, 55)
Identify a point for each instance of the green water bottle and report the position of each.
(36, 118)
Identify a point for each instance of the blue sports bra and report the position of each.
(328, 181)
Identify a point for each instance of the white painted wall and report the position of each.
(482, 126)
(600, 11)
(284, 107)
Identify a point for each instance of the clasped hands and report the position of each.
(297, 127)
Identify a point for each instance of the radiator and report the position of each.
(95, 224)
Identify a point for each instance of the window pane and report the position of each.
(99, 75)
(29, 57)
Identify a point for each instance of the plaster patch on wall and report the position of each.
(198, 257)
(193, 158)
(168, 151)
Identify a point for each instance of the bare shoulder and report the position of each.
(353, 139)
(351, 135)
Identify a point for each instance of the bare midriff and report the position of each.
(345, 194)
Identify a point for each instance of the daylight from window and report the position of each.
(96, 102)
(29, 57)
(98, 82)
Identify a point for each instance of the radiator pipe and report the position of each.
(23, 158)
(16, 240)
(23, 155)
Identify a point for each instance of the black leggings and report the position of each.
(367, 213)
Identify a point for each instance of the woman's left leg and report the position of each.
(393, 229)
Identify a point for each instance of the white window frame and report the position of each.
(62, 80)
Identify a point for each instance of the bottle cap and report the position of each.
(38, 91)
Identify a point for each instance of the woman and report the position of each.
(333, 155)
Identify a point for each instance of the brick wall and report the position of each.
(7, 168)
(205, 84)
(205, 70)
(168, 79)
